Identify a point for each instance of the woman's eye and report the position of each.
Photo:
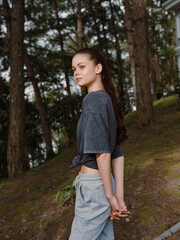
(81, 67)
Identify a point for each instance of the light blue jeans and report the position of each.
(92, 209)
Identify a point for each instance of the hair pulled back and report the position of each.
(99, 57)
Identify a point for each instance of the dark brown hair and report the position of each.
(99, 57)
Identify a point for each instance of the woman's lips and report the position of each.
(78, 79)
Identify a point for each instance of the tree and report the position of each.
(61, 42)
(80, 35)
(17, 154)
(40, 104)
(141, 50)
(4, 105)
(122, 85)
(128, 19)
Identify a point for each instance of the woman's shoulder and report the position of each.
(97, 101)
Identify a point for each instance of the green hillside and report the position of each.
(28, 210)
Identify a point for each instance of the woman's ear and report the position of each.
(98, 68)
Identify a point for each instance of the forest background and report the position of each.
(40, 103)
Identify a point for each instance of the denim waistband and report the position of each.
(87, 178)
(90, 177)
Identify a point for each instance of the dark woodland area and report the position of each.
(40, 104)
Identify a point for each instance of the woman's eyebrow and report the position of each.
(77, 64)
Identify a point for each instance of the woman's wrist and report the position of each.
(110, 197)
(119, 196)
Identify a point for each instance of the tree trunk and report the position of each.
(153, 57)
(121, 75)
(141, 50)
(122, 88)
(157, 71)
(17, 154)
(130, 44)
(96, 23)
(41, 106)
(62, 48)
(155, 74)
(103, 20)
(80, 36)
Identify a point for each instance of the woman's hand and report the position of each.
(113, 202)
(115, 208)
(121, 203)
(122, 207)
(121, 211)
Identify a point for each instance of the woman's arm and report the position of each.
(118, 171)
(104, 165)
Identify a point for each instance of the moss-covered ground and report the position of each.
(28, 210)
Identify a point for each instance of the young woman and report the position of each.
(100, 129)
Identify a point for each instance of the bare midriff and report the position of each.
(87, 170)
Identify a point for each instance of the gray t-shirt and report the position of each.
(96, 129)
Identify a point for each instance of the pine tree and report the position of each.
(141, 51)
(17, 154)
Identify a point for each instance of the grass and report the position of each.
(29, 210)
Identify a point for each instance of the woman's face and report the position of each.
(85, 71)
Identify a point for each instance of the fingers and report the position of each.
(125, 211)
(116, 214)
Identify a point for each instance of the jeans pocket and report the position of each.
(85, 193)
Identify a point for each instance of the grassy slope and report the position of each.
(27, 205)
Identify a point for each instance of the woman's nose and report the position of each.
(76, 72)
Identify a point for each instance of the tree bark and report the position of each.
(141, 50)
(103, 20)
(17, 154)
(130, 43)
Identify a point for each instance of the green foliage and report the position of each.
(66, 193)
(162, 42)
(34, 135)
(64, 112)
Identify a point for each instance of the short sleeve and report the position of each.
(117, 152)
(96, 133)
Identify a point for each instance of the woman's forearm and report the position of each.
(116, 201)
(118, 171)
(104, 165)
